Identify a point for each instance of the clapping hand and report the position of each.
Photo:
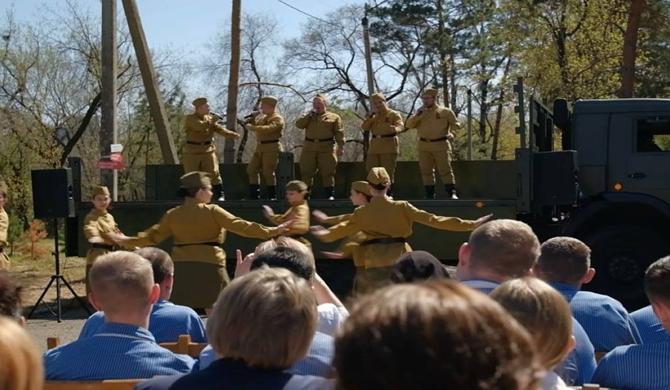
(318, 230)
(268, 212)
(319, 215)
(243, 263)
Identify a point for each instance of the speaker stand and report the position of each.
(58, 278)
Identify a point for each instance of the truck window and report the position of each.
(653, 134)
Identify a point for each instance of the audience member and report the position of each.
(10, 298)
(167, 321)
(643, 366)
(20, 360)
(649, 326)
(415, 266)
(546, 315)
(565, 263)
(122, 286)
(433, 335)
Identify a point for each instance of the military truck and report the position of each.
(608, 184)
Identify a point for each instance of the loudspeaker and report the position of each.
(52, 193)
(555, 178)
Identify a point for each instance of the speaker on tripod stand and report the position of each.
(53, 199)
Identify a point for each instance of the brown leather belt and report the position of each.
(104, 246)
(433, 140)
(200, 243)
(319, 139)
(384, 135)
(199, 143)
(384, 240)
(270, 142)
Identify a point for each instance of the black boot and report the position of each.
(217, 193)
(430, 192)
(329, 193)
(254, 191)
(450, 190)
(272, 192)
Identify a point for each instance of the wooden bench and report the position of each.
(185, 346)
(52, 342)
(111, 384)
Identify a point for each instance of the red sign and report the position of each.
(114, 162)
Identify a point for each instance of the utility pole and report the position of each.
(233, 81)
(370, 77)
(469, 124)
(156, 107)
(108, 126)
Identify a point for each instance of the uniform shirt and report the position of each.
(433, 123)
(201, 129)
(350, 248)
(385, 218)
(579, 366)
(166, 323)
(117, 351)
(385, 122)
(321, 127)
(267, 128)
(604, 319)
(639, 367)
(193, 223)
(4, 228)
(100, 224)
(650, 328)
(299, 213)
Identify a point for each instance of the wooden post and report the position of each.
(108, 127)
(233, 81)
(156, 106)
(370, 77)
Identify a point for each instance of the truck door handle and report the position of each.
(637, 175)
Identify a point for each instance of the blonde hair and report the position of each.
(121, 280)
(266, 318)
(543, 311)
(20, 360)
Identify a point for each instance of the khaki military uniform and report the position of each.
(268, 129)
(98, 224)
(198, 231)
(199, 151)
(384, 146)
(299, 213)
(4, 228)
(350, 248)
(433, 126)
(322, 132)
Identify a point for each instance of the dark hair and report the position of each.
(416, 266)
(379, 187)
(292, 259)
(433, 335)
(563, 260)
(161, 262)
(10, 296)
(657, 280)
(188, 192)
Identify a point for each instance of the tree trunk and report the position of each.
(483, 109)
(630, 48)
(444, 59)
(499, 109)
(233, 80)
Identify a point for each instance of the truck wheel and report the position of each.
(621, 254)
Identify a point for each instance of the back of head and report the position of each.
(161, 262)
(10, 296)
(416, 266)
(504, 247)
(20, 360)
(293, 258)
(431, 335)
(657, 281)
(543, 311)
(122, 282)
(266, 318)
(563, 260)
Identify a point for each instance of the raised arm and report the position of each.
(152, 236)
(217, 128)
(336, 232)
(440, 222)
(413, 121)
(243, 227)
(303, 121)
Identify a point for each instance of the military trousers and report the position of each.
(204, 162)
(386, 160)
(371, 279)
(198, 284)
(429, 161)
(324, 162)
(264, 164)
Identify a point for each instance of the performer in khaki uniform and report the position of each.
(386, 224)
(268, 127)
(296, 195)
(199, 230)
(434, 125)
(200, 152)
(323, 129)
(4, 227)
(384, 125)
(100, 228)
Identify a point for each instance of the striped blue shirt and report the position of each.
(116, 351)
(167, 322)
(639, 367)
(605, 320)
(649, 326)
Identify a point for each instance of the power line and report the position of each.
(303, 12)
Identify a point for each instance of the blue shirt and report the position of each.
(639, 367)
(167, 322)
(116, 351)
(605, 320)
(649, 326)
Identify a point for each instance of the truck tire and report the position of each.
(621, 254)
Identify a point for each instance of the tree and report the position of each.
(630, 48)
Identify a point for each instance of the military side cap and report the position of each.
(379, 176)
(432, 92)
(199, 101)
(99, 190)
(195, 180)
(296, 185)
(269, 100)
(378, 96)
(361, 186)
